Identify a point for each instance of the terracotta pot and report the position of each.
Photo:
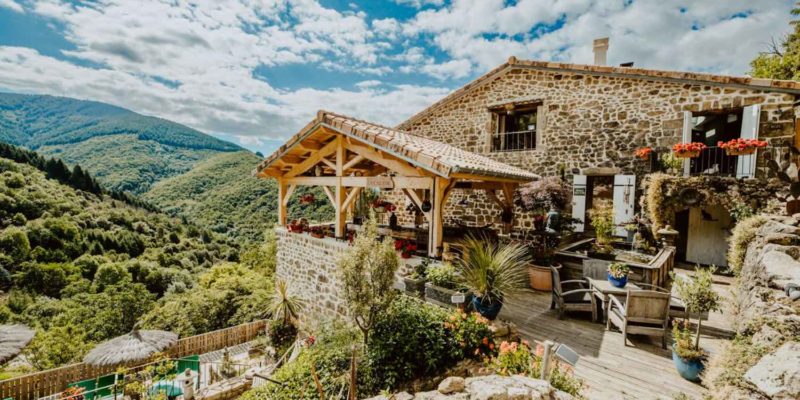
(687, 154)
(541, 277)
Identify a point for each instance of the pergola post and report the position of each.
(436, 223)
(340, 194)
(282, 189)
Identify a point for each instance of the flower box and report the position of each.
(688, 154)
(741, 147)
(688, 150)
(414, 287)
(444, 297)
(643, 153)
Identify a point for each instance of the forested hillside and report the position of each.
(221, 194)
(82, 267)
(125, 150)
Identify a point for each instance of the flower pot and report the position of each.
(318, 235)
(618, 282)
(406, 254)
(414, 287)
(740, 152)
(687, 154)
(357, 220)
(688, 369)
(541, 278)
(487, 310)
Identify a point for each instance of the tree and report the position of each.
(56, 347)
(14, 242)
(698, 295)
(368, 269)
(782, 61)
(283, 305)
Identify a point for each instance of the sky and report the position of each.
(255, 71)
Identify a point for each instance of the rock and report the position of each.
(452, 384)
(782, 239)
(778, 374)
(518, 393)
(402, 396)
(781, 267)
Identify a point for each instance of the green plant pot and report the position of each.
(415, 287)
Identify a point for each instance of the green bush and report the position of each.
(281, 335)
(410, 340)
(443, 275)
(471, 332)
(743, 233)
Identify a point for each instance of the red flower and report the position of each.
(643, 153)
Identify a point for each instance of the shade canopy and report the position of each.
(14, 338)
(138, 345)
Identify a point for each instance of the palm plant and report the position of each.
(491, 270)
(283, 305)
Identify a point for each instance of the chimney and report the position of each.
(600, 50)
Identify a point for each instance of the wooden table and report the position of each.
(601, 288)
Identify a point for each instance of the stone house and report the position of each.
(585, 122)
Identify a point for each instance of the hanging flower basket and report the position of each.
(688, 150)
(741, 147)
(643, 153)
(382, 206)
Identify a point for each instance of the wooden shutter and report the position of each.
(579, 201)
(746, 165)
(541, 121)
(686, 137)
(624, 199)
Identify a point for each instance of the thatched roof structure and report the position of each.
(138, 345)
(14, 338)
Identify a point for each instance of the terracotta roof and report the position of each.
(439, 158)
(638, 73)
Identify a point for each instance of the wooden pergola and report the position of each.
(344, 155)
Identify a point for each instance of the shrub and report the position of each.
(516, 358)
(602, 216)
(443, 275)
(410, 340)
(471, 332)
(743, 234)
(493, 271)
(545, 194)
(281, 335)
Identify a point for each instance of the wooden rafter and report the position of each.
(311, 145)
(350, 164)
(328, 193)
(288, 194)
(312, 160)
(354, 192)
(327, 162)
(390, 162)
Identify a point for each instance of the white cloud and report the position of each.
(12, 5)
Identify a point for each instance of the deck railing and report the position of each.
(52, 381)
(712, 161)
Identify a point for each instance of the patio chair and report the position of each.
(645, 312)
(595, 269)
(579, 299)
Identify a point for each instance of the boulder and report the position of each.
(453, 384)
(777, 374)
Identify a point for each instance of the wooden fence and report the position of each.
(52, 381)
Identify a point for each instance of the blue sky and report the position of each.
(255, 71)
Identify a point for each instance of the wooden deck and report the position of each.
(638, 370)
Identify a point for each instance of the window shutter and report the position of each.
(541, 121)
(624, 199)
(686, 137)
(579, 201)
(746, 165)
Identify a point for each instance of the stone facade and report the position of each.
(591, 121)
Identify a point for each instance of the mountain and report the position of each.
(124, 150)
(220, 193)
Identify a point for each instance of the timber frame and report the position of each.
(344, 156)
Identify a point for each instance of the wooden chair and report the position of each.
(580, 299)
(662, 264)
(645, 312)
(595, 269)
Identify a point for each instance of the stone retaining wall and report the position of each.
(309, 267)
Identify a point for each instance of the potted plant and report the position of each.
(547, 197)
(415, 281)
(307, 198)
(405, 247)
(741, 147)
(699, 297)
(441, 285)
(380, 205)
(688, 150)
(492, 271)
(618, 274)
(602, 220)
(295, 226)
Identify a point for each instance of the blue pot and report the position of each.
(688, 369)
(488, 310)
(620, 283)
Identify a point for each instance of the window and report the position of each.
(516, 129)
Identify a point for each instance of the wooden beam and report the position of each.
(328, 193)
(478, 185)
(388, 161)
(310, 144)
(312, 180)
(282, 188)
(312, 160)
(508, 193)
(351, 196)
(485, 178)
(357, 159)
(288, 194)
(341, 214)
(291, 159)
(436, 222)
(399, 182)
(492, 195)
(328, 163)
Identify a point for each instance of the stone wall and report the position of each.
(591, 121)
(763, 362)
(486, 387)
(309, 267)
